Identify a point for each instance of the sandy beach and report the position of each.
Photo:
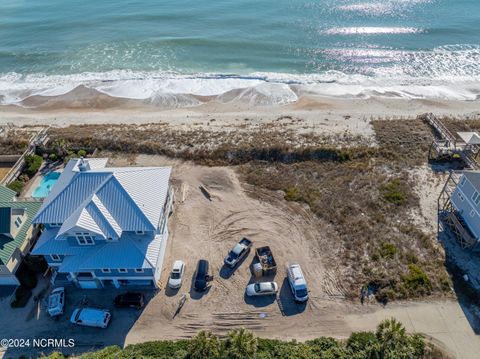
(325, 115)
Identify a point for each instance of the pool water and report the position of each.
(46, 185)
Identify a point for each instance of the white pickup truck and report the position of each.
(240, 250)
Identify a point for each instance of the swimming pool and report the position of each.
(46, 185)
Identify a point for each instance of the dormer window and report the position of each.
(84, 238)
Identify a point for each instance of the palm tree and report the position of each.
(204, 345)
(240, 344)
(393, 339)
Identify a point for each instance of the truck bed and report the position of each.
(266, 259)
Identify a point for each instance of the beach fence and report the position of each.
(38, 139)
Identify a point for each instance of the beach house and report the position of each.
(106, 226)
(17, 234)
(465, 201)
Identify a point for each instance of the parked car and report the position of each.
(238, 252)
(297, 282)
(202, 278)
(91, 317)
(265, 257)
(261, 288)
(56, 302)
(176, 276)
(130, 300)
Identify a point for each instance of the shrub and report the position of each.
(393, 192)
(240, 344)
(388, 250)
(32, 164)
(416, 280)
(204, 345)
(82, 153)
(52, 157)
(105, 353)
(16, 186)
(363, 345)
(292, 194)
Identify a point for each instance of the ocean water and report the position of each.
(172, 52)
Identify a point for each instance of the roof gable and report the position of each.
(71, 197)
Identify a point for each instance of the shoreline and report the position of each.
(324, 115)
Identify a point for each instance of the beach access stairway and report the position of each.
(38, 139)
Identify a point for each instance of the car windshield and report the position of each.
(302, 293)
(175, 275)
(263, 287)
(233, 255)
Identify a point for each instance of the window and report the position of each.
(139, 270)
(476, 198)
(139, 232)
(122, 270)
(84, 238)
(460, 196)
(462, 182)
(55, 257)
(18, 222)
(109, 239)
(55, 224)
(106, 270)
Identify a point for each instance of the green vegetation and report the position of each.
(388, 250)
(417, 280)
(32, 164)
(204, 345)
(394, 192)
(292, 194)
(389, 341)
(16, 186)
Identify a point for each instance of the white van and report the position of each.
(297, 282)
(91, 317)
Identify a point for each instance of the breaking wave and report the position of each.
(451, 73)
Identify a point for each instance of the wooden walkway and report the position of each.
(446, 144)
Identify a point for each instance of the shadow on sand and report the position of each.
(459, 262)
(86, 338)
(226, 272)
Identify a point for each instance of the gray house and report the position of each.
(106, 226)
(466, 201)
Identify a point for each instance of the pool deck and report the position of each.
(35, 181)
(32, 185)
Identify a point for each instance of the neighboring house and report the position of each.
(106, 226)
(466, 201)
(16, 233)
